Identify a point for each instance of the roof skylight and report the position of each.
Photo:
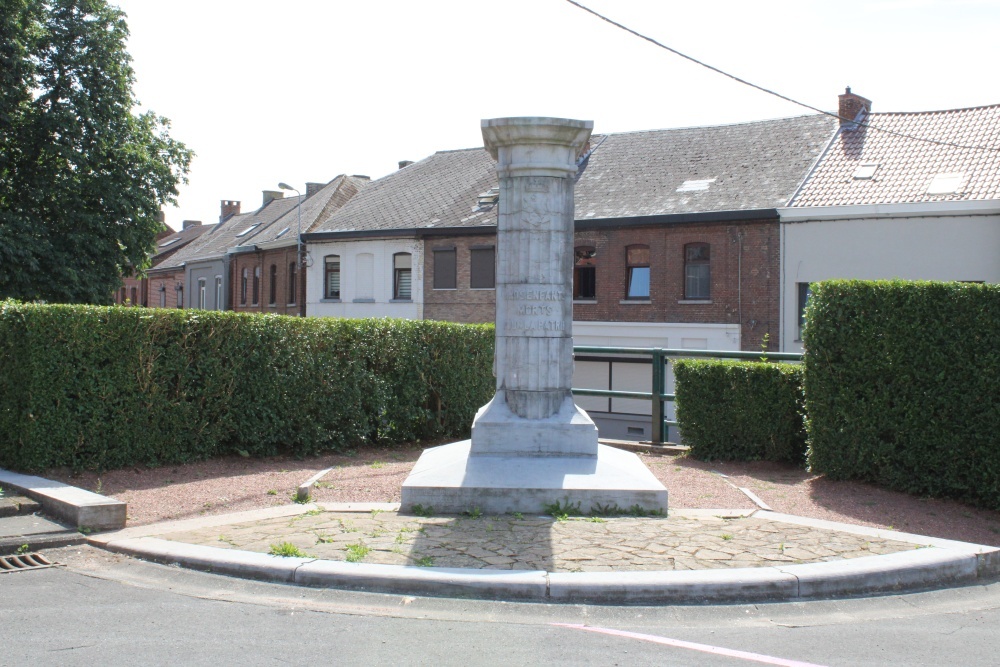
(247, 230)
(946, 184)
(695, 186)
(865, 172)
(170, 242)
(282, 233)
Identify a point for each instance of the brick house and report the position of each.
(135, 291)
(677, 240)
(881, 203)
(268, 255)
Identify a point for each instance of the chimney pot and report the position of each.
(228, 209)
(271, 195)
(405, 163)
(190, 223)
(850, 106)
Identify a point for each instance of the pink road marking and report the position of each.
(705, 648)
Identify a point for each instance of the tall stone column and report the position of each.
(533, 411)
(531, 446)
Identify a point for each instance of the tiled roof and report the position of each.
(659, 172)
(317, 207)
(176, 241)
(864, 165)
(700, 169)
(438, 191)
(212, 244)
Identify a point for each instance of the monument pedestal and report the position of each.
(451, 480)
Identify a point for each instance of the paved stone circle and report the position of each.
(573, 544)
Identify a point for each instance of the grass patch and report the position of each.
(287, 550)
(356, 552)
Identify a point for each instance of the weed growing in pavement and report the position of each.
(474, 513)
(726, 536)
(518, 516)
(1, 492)
(561, 511)
(356, 552)
(376, 512)
(84, 530)
(596, 519)
(397, 550)
(23, 549)
(272, 492)
(377, 464)
(323, 539)
(301, 501)
(426, 561)
(399, 538)
(377, 533)
(99, 486)
(299, 517)
(325, 485)
(228, 540)
(287, 550)
(489, 528)
(420, 510)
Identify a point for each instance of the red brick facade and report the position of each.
(743, 265)
(167, 297)
(274, 283)
(461, 304)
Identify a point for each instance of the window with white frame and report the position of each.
(201, 293)
(637, 262)
(402, 276)
(163, 296)
(220, 304)
(331, 277)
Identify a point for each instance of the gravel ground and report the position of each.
(376, 474)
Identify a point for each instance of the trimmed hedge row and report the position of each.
(100, 388)
(901, 383)
(740, 411)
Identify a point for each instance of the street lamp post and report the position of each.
(298, 261)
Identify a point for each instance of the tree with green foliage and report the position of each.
(82, 175)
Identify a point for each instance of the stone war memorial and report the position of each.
(531, 446)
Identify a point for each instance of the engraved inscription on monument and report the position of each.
(532, 310)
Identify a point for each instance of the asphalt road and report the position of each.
(105, 609)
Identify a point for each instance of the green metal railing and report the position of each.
(659, 357)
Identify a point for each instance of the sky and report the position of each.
(304, 90)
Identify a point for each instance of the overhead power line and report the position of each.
(773, 92)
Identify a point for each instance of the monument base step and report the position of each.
(447, 480)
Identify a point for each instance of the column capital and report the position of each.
(536, 146)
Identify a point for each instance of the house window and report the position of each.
(364, 277)
(402, 276)
(134, 302)
(291, 284)
(122, 297)
(219, 303)
(445, 274)
(697, 274)
(243, 287)
(585, 273)
(163, 296)
(256, 286)
(804, 294)
(331, 277)
(272, 292)
(180, 295)
(482, 268)
(201, 293)
(637, 261)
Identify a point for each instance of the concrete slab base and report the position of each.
(78, 507)
(451, 480)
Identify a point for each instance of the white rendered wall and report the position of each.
(637, 377)
(947, 247)
(381, 303)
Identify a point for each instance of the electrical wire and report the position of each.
(775, 93)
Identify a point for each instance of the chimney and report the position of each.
(850, 106)
(228, 209)
(313, 188)
(160, 217)
(191, 223)
(271, 195)
(405, 163)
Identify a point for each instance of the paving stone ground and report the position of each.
(576, 544)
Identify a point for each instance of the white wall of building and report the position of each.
(939, 241)
(368, 262)
(623, 418)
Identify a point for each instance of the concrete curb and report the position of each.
(938, 563)
(78, 507)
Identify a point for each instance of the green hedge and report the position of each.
(740, 411)
(100, 388)
(901, 383)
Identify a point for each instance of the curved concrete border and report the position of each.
(937, 563)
